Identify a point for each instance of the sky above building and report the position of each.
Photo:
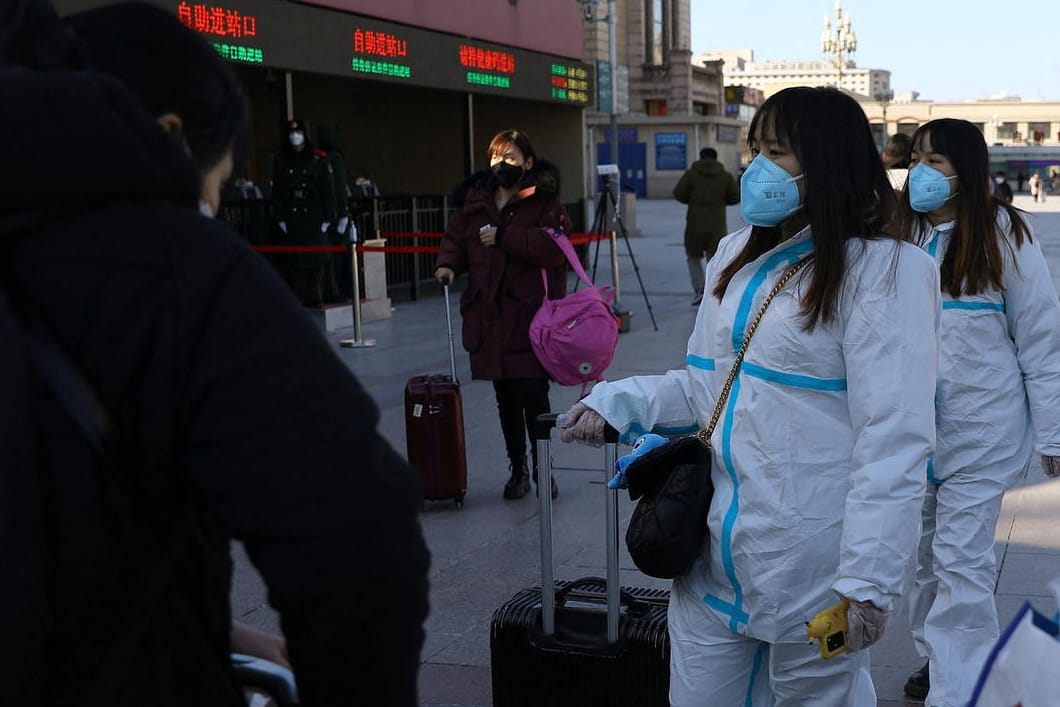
(946, 50)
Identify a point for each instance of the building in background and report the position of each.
(410, 84)
(667, 107)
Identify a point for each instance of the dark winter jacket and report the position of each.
(707, 189)
(228, 403)
(505, 288)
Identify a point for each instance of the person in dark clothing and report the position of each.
(338, 264)
(304, 197)
(1002, 190)
(707, 189)
(497, 236)
(236, 419)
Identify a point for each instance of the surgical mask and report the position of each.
(297, 139)
(205, 209)
(508, 174)
(928, 188)
(768, 194)
(999, 180)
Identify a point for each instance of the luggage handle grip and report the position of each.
(635, 605)
(543, 425)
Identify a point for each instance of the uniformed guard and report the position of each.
(305, 207)
(331, 145)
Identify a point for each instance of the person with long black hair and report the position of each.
(231, 416)
(818, 456)
(998, 398)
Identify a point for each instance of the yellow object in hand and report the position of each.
(829, 628)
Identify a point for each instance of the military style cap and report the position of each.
(296, 124)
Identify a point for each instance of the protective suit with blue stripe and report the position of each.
(998, 392)
(819, 466)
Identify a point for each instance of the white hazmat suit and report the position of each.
(998, 391)
(819, 466)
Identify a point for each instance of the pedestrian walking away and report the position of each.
(500, 238)
(220, 412)
(707, 189)
(1000, 314)
(896, 159)
(818, 457)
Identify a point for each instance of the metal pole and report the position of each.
(288, 83)
(614, 263)
(356, 342)
(611, 538)
(548, 583)
(612, 56)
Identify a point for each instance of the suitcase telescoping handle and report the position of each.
(449, 323)
(543, 429)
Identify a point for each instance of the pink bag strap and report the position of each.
(568, 250)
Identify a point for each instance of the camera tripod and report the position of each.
(607, 199)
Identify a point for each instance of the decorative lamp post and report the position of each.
(838, 42)
(589, 8)
(884, 98)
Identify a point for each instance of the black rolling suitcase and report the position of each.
(588, 642)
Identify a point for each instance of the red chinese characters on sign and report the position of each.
(221, 21)
(488, 59)
(379, 43)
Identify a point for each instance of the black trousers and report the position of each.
(519, 402)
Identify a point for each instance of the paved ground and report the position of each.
(486, 552)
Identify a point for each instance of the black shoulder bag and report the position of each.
(672, 482)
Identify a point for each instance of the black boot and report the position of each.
(555, 488)
(918, 686)
(518, 483)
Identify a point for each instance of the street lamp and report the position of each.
(841, 41)
(884, 98)
(589, 8)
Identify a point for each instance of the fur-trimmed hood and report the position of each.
(545, 176)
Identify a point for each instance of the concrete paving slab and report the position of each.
(485, 553)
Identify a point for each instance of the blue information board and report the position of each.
(671, 151)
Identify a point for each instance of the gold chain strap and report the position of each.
(704, 434)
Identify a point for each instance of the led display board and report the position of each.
(287, 35)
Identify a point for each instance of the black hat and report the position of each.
(296, 124)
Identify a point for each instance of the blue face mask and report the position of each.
(928, 188)
(768, 194)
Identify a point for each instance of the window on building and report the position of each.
(656, 108)
(1038, 132)
(656, 13)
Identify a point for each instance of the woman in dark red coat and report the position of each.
(497, 236)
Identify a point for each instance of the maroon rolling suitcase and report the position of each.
(434, 429)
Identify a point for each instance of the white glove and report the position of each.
(283, 227)
(353, 233)
(865, 624)
(582, 424)
(1050, 466)
(343, 223)
(324, 227)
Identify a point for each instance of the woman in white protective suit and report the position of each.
(819, 459)
(998, 393)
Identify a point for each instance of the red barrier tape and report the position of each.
(576, 239)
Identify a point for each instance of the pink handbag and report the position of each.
(575, 337)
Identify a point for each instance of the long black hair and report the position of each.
(972, 262)
(847, 194)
